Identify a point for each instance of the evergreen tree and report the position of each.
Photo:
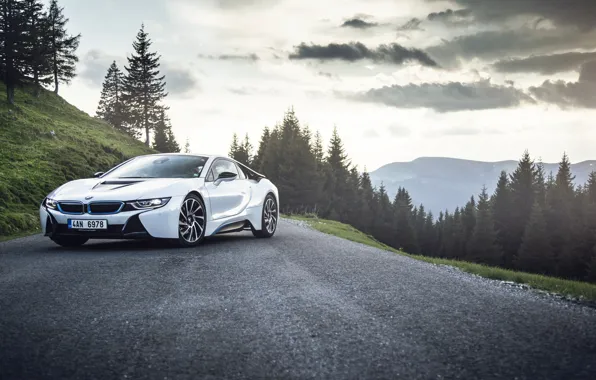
(160, 137)
(144, 88)
(468, 221)
(367, 196)
(560, 221)
(404, 236)
(111, 106)
(62, 47)
(535, 253)
(234, 146)
(318, 150)
(243, 151)
(12, 34)
(483, 247)
(163, 139)
(172, 144)
(336, 179)
(258, 158)
(36, 44)
(187, 146)
(501, 209)
(522, 184)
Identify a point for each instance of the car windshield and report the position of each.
(170, 166)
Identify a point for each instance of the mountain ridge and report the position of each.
(443, 183)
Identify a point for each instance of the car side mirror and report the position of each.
(225, 177)
(98, 174)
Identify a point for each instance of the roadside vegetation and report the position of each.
(534, 222)
(575, 289)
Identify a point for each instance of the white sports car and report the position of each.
(176, 196)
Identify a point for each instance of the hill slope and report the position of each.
(33, 162)
(445, 183)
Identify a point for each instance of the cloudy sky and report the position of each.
(401, 79)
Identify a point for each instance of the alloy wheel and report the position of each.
(270, 215)
(192, 220)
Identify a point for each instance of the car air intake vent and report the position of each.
(71, 208)
(105, 207)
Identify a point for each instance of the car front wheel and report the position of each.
(191, 222)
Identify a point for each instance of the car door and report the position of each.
(227, 198)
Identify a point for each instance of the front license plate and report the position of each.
(87, 224)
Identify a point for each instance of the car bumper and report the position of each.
(158, 223)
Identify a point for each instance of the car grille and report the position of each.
(71, 208)
(104, 207)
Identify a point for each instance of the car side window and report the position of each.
(221, 166)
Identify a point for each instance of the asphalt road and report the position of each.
(299, 305)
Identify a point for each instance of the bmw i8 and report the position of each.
(181, 197)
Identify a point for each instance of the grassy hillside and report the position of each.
(575, 289)
(33, 162)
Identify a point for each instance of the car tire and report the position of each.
(269, 214)
(192, 213)
(70, 241)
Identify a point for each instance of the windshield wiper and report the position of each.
(135, 177)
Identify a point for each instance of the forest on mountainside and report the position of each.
(36, 51)
(532, 222)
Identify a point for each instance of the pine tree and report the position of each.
(62, 46)
(318, 150)
(243, 152)
(337, 162)
(258, 158)
(144, 88)
(36, 44)
(535, 253)
(404, 236)
(160, 137)
(187, 146)
(501, 209)
(233, 147)
(172, 144)
(12, 34)
(111, 106)
(560, 221)
(483, 247)
(522, 184)
(468, 221)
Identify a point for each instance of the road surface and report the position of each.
(301, 305)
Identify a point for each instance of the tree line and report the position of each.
(35, 47)
(534, 221)
(132, 101)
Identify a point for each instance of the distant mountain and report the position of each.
(444, 183)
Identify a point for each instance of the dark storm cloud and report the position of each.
(412, 24)
(581, 94)
(545, 64)
(522, 42)
(451, 16)
(453, 96)
(580, 13)
(358, 23)
(232, 57)
(355, 51)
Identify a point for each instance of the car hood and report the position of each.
(103, 189)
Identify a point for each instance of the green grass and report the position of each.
(33, 162)
(574, 289)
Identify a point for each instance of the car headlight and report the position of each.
(50, 203)
(149, 204)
